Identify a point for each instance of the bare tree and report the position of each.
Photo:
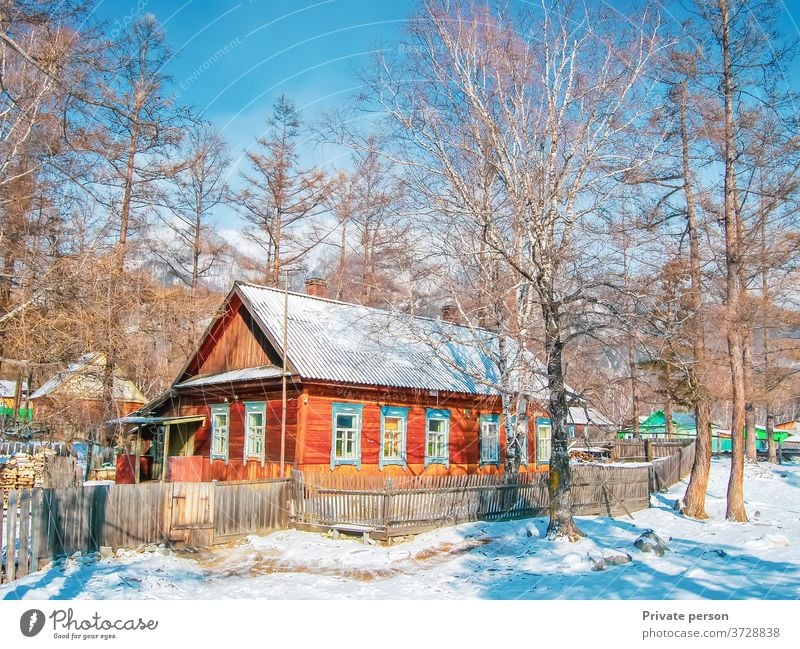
(375, 250)
(279, 197)
(694, 499)
(131, 128)
(546, 114)
(192, 195)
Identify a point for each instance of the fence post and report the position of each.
(648, 450)
(387, 503)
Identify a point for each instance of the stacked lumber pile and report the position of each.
(23, 471)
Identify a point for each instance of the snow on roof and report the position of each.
(248, 374)
(350, 343)
(8, 389)
(84, 378)
(582, 416)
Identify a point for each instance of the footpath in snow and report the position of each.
(713, 559)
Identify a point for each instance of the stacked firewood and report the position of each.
(23, 471)
(582, 456)
(8, 478)
(40, 465)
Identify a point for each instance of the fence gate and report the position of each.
(190, 513)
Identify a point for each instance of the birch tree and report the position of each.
(544, 97)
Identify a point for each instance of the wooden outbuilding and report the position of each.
(73, 402)
(365, 390)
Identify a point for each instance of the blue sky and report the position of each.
(233, 59)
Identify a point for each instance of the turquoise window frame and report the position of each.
(400, 413)
(437, 414)
(354, 409)
(489, 419)
(255, 407)
(543, 421)
(221, 409)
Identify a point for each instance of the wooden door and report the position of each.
(191, 509)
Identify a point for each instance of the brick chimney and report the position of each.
(450, 312)
(316, 287)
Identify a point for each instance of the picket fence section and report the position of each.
(666, 471)
(395, 506)
(646, 450)
(40, 525)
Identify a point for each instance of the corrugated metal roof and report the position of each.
(582, 416)
(247, 374)
(349, 343)
(84, 378)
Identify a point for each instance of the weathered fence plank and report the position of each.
(23, 566)
(11, 537)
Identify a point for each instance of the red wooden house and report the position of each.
(366, 390)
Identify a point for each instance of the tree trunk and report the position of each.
(513, 420)
(198, 221)
(127, 194)
(668, 416)
(630, 342)
(735, 495)
(561, 524)
(772, 455)
(276, 262)
(342, 259)
(751, 453)
(695, 497)
(634, 387)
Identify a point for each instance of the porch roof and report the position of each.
(246, 374)
(139, 420)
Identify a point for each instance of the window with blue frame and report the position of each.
(437, 437)
(220, 426)
(544, 433)
(346, 442)
(490, 439)
(255, 416)
(394, 424)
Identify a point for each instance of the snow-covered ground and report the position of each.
(713, 559)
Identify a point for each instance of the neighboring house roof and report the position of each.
(680, 420)
(8, 389)
(685, 422)
(84, 379)
(349, 343)
(584, 416)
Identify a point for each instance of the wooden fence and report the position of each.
(646, 450)
(31, 447)
(666, 471)
(42, 524)
(387, 507)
